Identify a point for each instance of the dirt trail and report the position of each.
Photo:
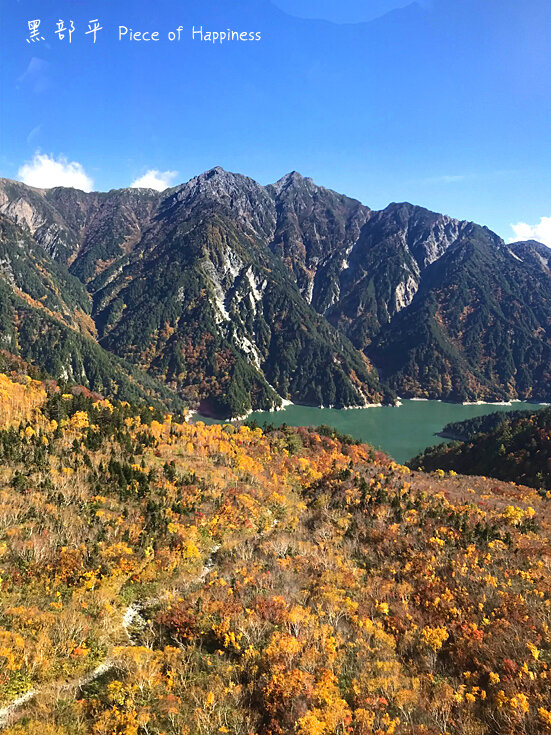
(131, 620)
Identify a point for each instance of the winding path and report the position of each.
(131, 619)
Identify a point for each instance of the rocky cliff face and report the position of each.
(67, 222)
(237, 295)
(386, 267)
(315, 234)
(30, 208)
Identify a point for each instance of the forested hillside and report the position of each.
(470, 428)
(517, 448)
(168, 578)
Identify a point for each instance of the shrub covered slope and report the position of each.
(177, 579)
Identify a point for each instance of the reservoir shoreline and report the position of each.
(401, 431)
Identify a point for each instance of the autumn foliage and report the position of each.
(166, 578)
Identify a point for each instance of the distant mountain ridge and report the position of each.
(236, 296)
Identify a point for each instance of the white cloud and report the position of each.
(540, 232)
(46, 172)
(153, 179)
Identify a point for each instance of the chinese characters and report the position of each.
(34, 33)
(64, 30)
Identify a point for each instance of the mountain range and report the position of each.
(227, 296)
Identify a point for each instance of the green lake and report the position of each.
(401, 431)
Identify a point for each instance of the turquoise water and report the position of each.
(402, 431)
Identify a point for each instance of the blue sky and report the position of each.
(444, 103)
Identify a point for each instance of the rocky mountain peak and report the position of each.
(216, 171)
(293, 180)
(216, 183)
(232, 195)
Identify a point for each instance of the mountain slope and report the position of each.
(185, 286)
(517, 449)
(316, 230)
(385, 267)
(468, 429)
(32, 210)
(164, 577)
(443, 308)
(66, 222)
(202, 301)
(45, 318)
(478, 328)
